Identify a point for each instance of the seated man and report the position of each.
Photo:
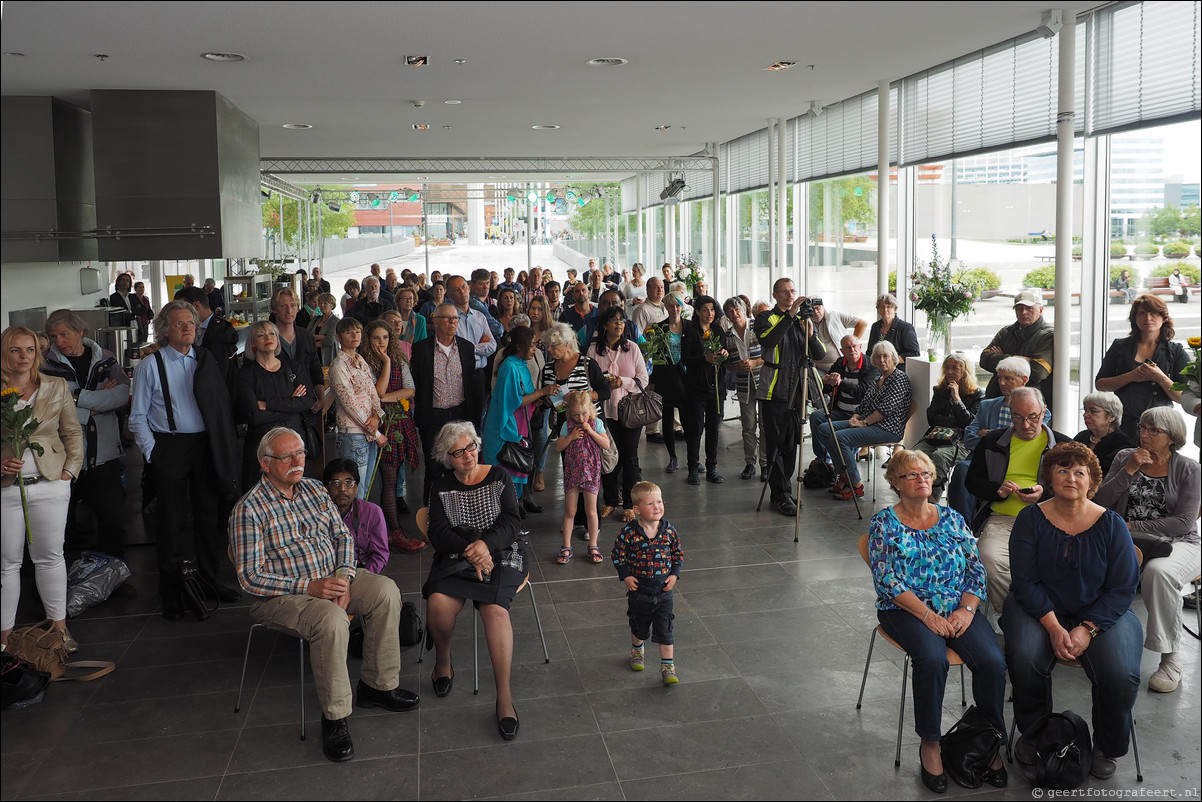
(293, 553)
(846, 383)
(1004, 476)
(364, 519)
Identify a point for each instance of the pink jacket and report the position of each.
(628, 365)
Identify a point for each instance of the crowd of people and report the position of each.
(473, 379)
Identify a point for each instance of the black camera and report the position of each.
(806, 311)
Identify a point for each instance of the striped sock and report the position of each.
(665, 661)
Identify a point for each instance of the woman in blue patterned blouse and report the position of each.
(929, 584)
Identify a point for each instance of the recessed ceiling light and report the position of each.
(421, 126)
(780, 65)
(297, 126)
(545, 127)
(452, 102)
(226, 58)
(662, 127)
(612, 61)
(446, 128)
(417, 61)
(461, 61)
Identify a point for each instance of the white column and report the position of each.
(639, 243)
(771, 197)
(882, 189)
(782, 195)
(716, 218)
(475, 214)
(1064, 408)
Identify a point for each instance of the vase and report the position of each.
(939, 336)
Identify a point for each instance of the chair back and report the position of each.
(422, 517)
(864, 549)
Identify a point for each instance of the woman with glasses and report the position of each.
(479, 556)
(1141, 368)
(1156, 490)
(1102, 436)
(930, 582)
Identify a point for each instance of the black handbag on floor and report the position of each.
(1056, 751)
(969, 747)
(196, 591)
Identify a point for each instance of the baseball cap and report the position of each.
(1028, 298)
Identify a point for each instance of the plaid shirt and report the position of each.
(282, 543)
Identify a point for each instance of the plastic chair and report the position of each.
(953, 659)
(246, 657)
(422, 518)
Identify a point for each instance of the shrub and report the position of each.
(1176, 250)
(985, 279)
(1044, 277)
(1117, 249)
(1146, 249)
(893, 281)
(1193, 271)
(1077, 250)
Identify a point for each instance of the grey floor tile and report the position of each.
(550, 718)
(647, 703)
(517, 767)
(197, 788)
(358, 779)
(583, 793)
(790, 780)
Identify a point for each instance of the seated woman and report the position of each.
(1074, 576)
(1156, 490)
(930, 583)
(1123, 284)
(954, 403)
(479, 555)
(880, 418)
(1102, 436)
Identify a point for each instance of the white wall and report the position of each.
(54, 285)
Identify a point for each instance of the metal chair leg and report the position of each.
(245, 659)
(963, 690)
(476, 650)
(901, 713)
(867, 663)
(538, 620)
(1139, 772)
(301, 642)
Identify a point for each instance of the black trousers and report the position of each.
(628, 471)
(705, 414)
(181, 465)
(434, 468)
(102, 489)
(671, 408)
(781, 431)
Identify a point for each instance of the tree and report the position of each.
(853, 198)
(1189, 221)
(1163, 223)
(333, 224)
(589, 220)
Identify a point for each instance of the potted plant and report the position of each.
(942, 296)
(1176, 250)
(1146, 250)
(1118, 249)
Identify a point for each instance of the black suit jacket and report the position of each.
(136, 307)
(221, 340)
(216, 410)
(307, 359)
(421, 363)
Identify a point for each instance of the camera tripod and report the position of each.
(802, 381)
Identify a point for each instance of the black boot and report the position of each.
(336, 740)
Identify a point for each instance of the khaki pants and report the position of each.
(993, 544)
(324, 624)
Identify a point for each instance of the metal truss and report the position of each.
(508, 166)
(285, 188)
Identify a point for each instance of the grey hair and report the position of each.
(448, 436)
(1166, 419)
(1015, 366)
(66, 317)
(562, 334)
(265, 442)
(520, 319)
(734, 302)
(678, 286)
(253, 332)
(162, 321)
(887, 347)
(888, 300)
(855, 341)
(210, 282)
(1027, 392)
(1109, 403)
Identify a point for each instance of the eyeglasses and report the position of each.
(295, 455)
(459, 452)
(1095, 411)
(339, 484)
(184, 324)
(914, 476)
(1152, 430)
(1030, 420)
(446, 317)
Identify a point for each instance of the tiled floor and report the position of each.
(771, 640)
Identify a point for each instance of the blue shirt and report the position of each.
(939, 564)
(494, 325)
(473, 326)
(148, 414)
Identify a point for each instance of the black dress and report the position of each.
(275, 388)
(462, 514)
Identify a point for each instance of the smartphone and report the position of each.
(1026, 490)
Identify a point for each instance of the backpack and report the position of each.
(818, 475)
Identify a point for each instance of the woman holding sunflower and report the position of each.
(703, 355)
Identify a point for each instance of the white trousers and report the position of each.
(48, 520)
(1162, 584)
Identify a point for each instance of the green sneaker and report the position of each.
(636, 660)
(668, 672)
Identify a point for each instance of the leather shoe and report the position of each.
(228, 595)
(173, 608)
(398, 700)
(934, 782)
(655, 437)
(529, 505)
(508, 726)
(998, 777)
(763, 473)
(336, 740)
(748, 472)
(712, 475)
(399, 540)
(443, 685)
(786, 507)
(694, 476)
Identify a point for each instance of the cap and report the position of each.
(1028, 298)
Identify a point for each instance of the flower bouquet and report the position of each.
(1193, 371)
(655, 344)
(16, 427)
(688, 272)
(942, 295)
(712, 345)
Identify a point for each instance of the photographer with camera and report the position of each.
(783, 332)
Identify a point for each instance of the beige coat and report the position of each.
(58, 433)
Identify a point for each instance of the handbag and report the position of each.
(969, 748)
(609, 455)
(1056, 751)
(517, 457)
(192, 589)
(411, 632)
(22, 685)
(641, 408)
(41, 646)
(941, 434)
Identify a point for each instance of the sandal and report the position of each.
(846, 495)
(595, 556)
(565, 555)
(628, 516)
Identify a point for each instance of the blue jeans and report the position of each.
(818, 419)
(850, 441)
(979, 649)
(1111, 662)
(358, 448)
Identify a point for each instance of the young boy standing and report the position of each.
(648, 558)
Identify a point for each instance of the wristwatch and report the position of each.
(1093, 631)
(970, 608)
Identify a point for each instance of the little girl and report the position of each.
(581, 441)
